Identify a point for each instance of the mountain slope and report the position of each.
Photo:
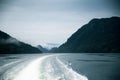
(98, 36)
(44, 50)
(9, 44)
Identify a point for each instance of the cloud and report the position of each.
(50, 45)
(10, 41)
(47, 21)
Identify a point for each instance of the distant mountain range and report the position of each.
(44, 50)
(98, 36)
(9, 44)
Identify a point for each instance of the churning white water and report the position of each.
(48, 67)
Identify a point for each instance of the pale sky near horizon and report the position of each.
(47, 22)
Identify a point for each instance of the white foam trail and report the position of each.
(70, 73)
(30, 72)
(46, 68)
(11, 69)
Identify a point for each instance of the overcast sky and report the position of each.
(51, 21)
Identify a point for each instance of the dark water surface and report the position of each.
(71, 66)
(96, 66)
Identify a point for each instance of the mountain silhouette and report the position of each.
(98, 36)
(44, 50)
(9, 45)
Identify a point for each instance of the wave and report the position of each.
(48, 67)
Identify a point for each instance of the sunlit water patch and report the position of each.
(48, 67)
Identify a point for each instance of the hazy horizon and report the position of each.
(45, 22)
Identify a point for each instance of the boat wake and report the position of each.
(48, 67)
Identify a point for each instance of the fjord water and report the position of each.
(71, 66)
